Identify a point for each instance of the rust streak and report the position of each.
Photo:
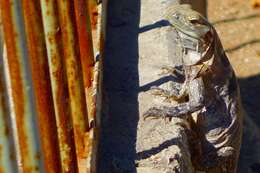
(1, 168)
(86, 51)
(94, 14)
(93, 11)
(85, 40)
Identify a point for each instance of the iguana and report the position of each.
(212, 90)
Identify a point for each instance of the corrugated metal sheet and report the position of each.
(48, 115)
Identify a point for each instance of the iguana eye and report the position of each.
(176, 16)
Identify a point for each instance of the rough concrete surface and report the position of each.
(135, 49)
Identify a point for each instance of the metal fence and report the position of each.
(50, 85)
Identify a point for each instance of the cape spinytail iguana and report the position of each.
(212, 90)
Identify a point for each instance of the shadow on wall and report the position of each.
(121, 83)
(198, 5)
(117, 151)
(250, 151)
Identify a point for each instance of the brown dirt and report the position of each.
(238, 25)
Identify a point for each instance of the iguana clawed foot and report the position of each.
(157, 91)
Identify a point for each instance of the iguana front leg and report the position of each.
(173, 93)
(195, 103)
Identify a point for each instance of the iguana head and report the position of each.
(188, 21)
(196, 34)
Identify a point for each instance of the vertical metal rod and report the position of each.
(41, 81)
(22, 87)
(75, 78)
(97, 86)
(86, 51)
(53, 41)
(8, 163)
(94, 12)
(85, 40)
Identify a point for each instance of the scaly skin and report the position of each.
(214, 97)
(181, 17)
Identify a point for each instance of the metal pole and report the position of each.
(8, 162)
(71, 57)
(52, 30)
(22, 86)
(41, 81)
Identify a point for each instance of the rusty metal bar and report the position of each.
(75, 79)
(94, 13)
(22, 87)
(98, 85)
(103, 23)
(52, 110)
(86, 52)
(7, 149)
(85, 40)
(41, 81)
(52, 30)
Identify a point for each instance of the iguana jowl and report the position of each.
(212, 90)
